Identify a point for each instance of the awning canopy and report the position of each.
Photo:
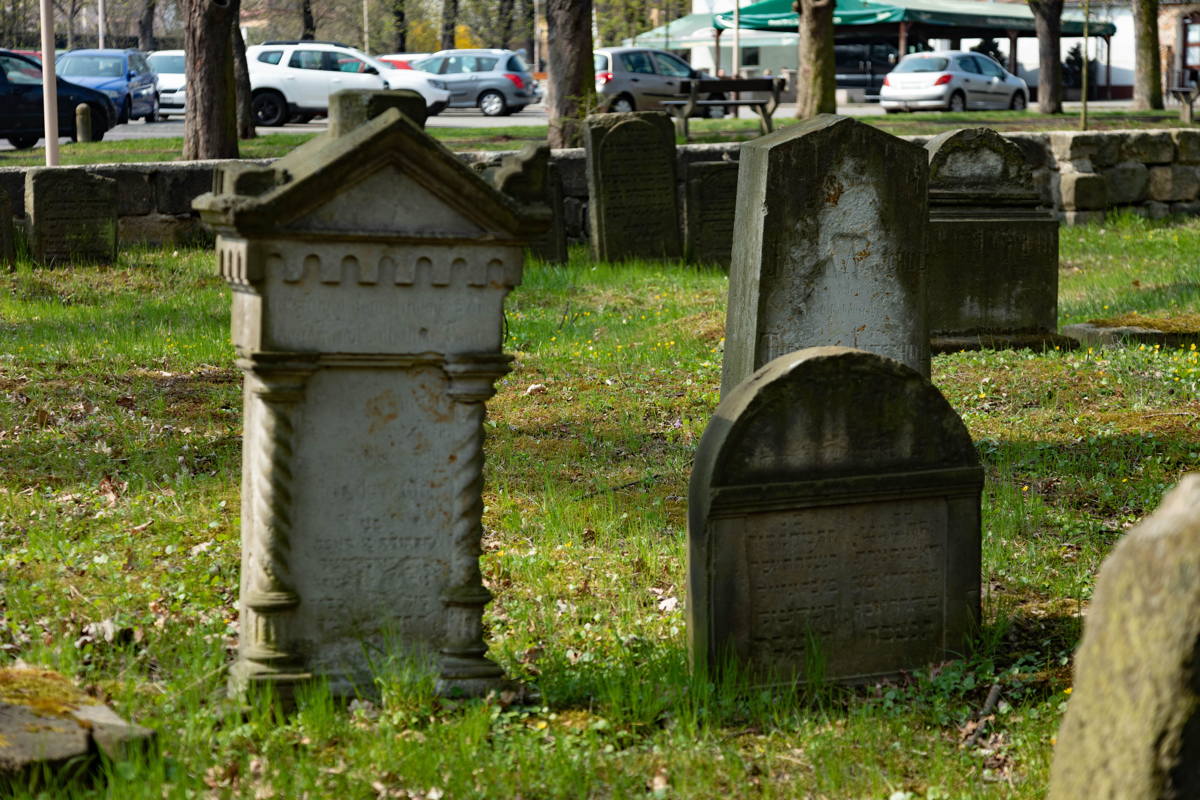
(696, 30)
(961, 18)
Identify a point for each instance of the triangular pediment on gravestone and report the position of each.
(369, 183)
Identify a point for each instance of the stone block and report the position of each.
(1148, 147)
(829, 246)
(72, 215)
(1132, 726)
(1191, 208)
(1083, 191)
(135, 186)
(12, 183)
(833, 523)
(1153, 209)
(1174, 183)
(1034, 146)
(710, 204)
(1101, 149)
(1187, 146)
(161, 229)
(632, 205)
(1127, 183)
(572, 170)
(350, 108)
(8, 243)
(177, 185)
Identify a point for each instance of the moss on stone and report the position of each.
(1178, 323)
(41, 691)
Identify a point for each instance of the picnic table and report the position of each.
(698, 92)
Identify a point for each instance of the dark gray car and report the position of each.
(495, 81)
(639, 79)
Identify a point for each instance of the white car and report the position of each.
(295, 78)
(168, 65)
(954, 80)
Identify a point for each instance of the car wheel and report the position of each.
(123, 117)
(152, 115)
(958, 102)
(270, 109)
(23, 142)
(493, 104)
(622, 105)
(1018, 102)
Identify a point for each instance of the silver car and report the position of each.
(495, 81)
(639, 79)
(954, 80)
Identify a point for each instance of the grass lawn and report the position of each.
(120, 422)
(514, 136)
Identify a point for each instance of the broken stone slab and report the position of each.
(48, 724)
(1132, 727)
(1100, 336)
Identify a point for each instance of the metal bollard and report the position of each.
(83, 123)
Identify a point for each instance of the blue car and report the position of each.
(124, 75)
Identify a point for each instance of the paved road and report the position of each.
(472, 118)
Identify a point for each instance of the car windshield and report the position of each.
(922, 64)
(91, 66)
(601, 62)
(167, 64)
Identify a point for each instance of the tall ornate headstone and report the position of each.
(530, 178)
(710, 198)
(369, 273)
(632, 206)
(1132, 727)
(992, 261)
(829, 246)
(833, 523)
(72, 216)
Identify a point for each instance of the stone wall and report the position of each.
(1080, 175)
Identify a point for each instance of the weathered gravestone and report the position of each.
(632, 206)
(369, 274)
(7, 237)
(833, 523)
(829, 245)
(72, 215)
(1132, 727)
(531, 179)
(350, 108)
(709, 198)
(992, 259)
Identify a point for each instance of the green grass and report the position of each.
(512, 137)
(120, 422)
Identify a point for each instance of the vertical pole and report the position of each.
(717, 50)
(100, 24)
(1083, 91)
(902, 46)
(736, 67)
(366, 30)
(1012, 52)
(536, 39)
(49, 85)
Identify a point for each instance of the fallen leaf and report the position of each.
(535, 388)
(668, 604)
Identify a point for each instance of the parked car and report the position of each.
(123, 75)
(168, 66)
(403, 60)
(295, 78)
(497, 82)
(21, 120)
(954, 80)
(639, 79)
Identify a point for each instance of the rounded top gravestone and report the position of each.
(833, 518)
(978, 160)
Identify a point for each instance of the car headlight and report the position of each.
(113, 93)
(438, 84)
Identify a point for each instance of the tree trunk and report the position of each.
(816, 79)
(146, 26)
(504, 12)
(308, 24)
(1047, 21)
(210, 126)
(241, 78)
(571, 82)
(528, 27)
(1147, 71)
(400, 25)
(449, 23)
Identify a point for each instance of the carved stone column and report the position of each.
(464, 668)
(274, 387)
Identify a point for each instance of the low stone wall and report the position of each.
(1081, 176)
(154, 201)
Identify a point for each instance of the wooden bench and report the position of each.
(1186, 95)
(682, 110)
